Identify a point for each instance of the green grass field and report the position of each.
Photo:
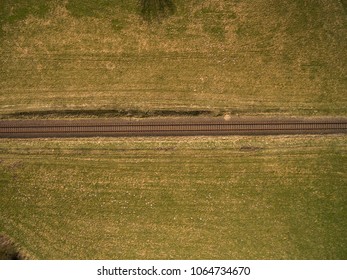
(173, 198)
(245, 57)
(176, 198)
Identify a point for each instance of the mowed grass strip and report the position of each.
(176, 198)
(247, 57)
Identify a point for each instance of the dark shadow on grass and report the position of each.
(8, 250)
(250, 148)
(156, 10)
(344, 5)
(106, 114)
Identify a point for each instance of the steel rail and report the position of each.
(171, 125)
(91, 128)
(162, 128)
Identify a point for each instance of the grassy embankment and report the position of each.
(173, 198)
(247, 57)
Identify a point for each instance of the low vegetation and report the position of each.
(244, 57)
(176, 198)
(157, 9)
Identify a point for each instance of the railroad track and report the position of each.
(173, 127)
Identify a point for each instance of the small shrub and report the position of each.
(157, 9)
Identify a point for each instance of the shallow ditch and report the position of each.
(106, 114)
